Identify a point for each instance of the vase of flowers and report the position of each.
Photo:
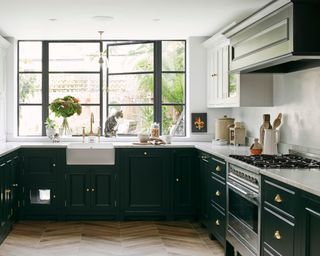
(50, 128)
(66, 107)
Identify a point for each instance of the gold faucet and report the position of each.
(91, 133)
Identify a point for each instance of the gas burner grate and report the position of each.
(287, 161)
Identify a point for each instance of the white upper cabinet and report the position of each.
(226, 89)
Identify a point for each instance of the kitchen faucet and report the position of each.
(91, 134)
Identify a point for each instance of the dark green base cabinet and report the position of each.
(42, 182)
(290, 221)
(157, 183)
(9, 189)
(91, 192)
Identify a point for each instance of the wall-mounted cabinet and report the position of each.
(225, 89)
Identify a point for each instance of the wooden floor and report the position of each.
(97, 238)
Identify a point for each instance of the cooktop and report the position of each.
(287, 161)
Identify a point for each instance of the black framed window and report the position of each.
(144, 79)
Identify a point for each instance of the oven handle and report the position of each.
(253, 197)
(238, 189)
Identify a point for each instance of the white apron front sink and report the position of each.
(90, 154)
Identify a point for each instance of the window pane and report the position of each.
(173, 120)
(126, 89)
(30, 90)
(86, 87)
(83, 120)
(30, 120)
(173, 55)
(135, 119)
(130, 58)
(30, 56)
(173, 88)
(74, 57)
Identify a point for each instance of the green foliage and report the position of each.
(50, 123)
(66, 106)
(27, 86)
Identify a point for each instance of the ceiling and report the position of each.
(133, 19)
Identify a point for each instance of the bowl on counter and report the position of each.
(143, 137)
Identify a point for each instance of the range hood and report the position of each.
(281, 37)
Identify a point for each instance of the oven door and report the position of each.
(243, 219)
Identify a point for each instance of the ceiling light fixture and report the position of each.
(103, 18)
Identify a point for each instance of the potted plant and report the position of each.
(50, 127)
(65, 107)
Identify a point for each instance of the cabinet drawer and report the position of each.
(217, 192)
(278, 233)
(280, 197)
(217, 167)
(217, 223)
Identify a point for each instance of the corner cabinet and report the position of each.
(225, 89)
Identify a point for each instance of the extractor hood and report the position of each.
(281, 37)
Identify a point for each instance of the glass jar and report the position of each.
(155, 130)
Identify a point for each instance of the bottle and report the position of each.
(256, 147)
(265, 125)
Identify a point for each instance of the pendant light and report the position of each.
(101, 60)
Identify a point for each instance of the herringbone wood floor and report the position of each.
(107, 238)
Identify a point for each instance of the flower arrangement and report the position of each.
(66, 107)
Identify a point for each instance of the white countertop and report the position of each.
(305, 179)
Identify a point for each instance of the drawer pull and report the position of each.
(217, 222)
(277, 235)
(53, 165)
(218, 193)
(54, 196)
(218, 168)
(278, 198)
(88, 190)
(92, 190)
(145, 153)
(15, 185)
(177, 179)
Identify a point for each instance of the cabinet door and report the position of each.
(204, 200)
(78, 189)
(310, 227)
(40, 163)
(184, 182)
(2, 190)
(145, 182)
(8, 196)
(103, 199)
(15, 168)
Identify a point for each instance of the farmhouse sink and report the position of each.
(90, 154)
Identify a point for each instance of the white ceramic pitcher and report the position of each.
(271, 140)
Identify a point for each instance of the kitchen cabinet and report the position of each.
(310, 225)
(280, 208)
(41, 177)
(203, 193)
(91, 191)
(185, 177)
(9, 193)
(217, 198)
(226, 89)
(145, 183)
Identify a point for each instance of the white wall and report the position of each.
(297, 96)
(196, 83)
(3, 55)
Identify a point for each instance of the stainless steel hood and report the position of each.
(282, 37)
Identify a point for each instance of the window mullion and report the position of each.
(157, 81)
(45, 84)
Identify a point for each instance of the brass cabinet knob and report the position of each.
(218, 193)
(217, 222)
(277, 235)
(278, 198)
(218, 168)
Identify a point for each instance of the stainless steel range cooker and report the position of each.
(244, 196)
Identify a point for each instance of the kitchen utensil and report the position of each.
(265, 125)
(271, 139)
(256, 147)
(277, 121)
(222, 128)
